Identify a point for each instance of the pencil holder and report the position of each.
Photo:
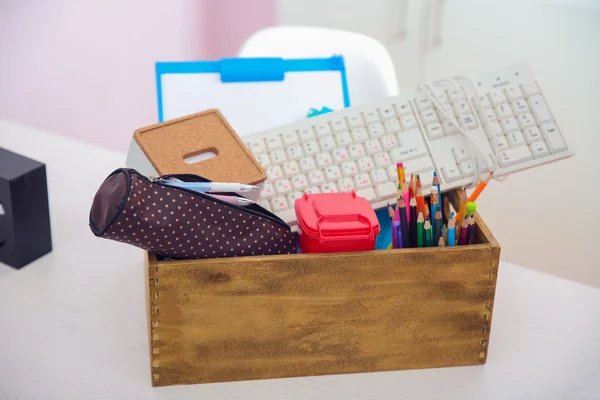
(232, 319)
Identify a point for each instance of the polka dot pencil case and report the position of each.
(180, 223)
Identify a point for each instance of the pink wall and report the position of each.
(86, 68)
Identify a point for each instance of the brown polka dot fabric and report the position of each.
(177, 224)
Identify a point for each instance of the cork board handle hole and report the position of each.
(200, 155)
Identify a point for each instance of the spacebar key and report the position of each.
(515, 156)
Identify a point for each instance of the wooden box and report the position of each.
(233, 319)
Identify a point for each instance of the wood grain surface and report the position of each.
(311, 314)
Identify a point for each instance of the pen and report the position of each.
(207, 187)
(240, 201)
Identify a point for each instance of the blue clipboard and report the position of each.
(246, 70)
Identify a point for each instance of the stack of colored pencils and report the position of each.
(417, 222)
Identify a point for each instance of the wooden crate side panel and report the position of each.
(280, 316)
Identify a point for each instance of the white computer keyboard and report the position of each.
(358, 148)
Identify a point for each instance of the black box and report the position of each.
(24, 214)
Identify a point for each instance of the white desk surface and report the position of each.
(73, 324)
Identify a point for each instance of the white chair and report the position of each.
(369, 68)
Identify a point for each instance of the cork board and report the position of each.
(168, 144)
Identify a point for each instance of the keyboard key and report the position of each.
(493, 129)
(392, 173)
(526, 120)
(515, 139)
(501, 143)
(367, 193)
(504, 111)
(426, 179)
(365, 164)
(434, 131)
(346, 185)
(333, 174)
(539, 149)
(292, 197)
(300, 183)
(307, 164)
(510, 124)
(294, 152)
(339, 125)
(520, 106)
(349, 169)
(460, 154)
(469, 121)
(283, 187)
(311, 148)
(329, 188)
(323, 160)
(449, 127)
(290, 138)
(278, 156)
(553, 137)
(267, 192)
(455, 95)
(532, 134)
(373, 146)
(539, 108)
(290, 168)
(408, 121)
(274, 143)
(316, 178)
(513, 92)
(405, 153)
(279, 204)
(355, 121)
(327, 143)
(403, 108)
(514, 156)
(461, 106)
(442, 97)
(451, 173)
(382, 160)
(360, 135)
(322, 129)
(307, 133)
(274, 173)
(371, 116)
(376, 130)
(387, 112)
(389, 142)
(466, 168)
(343, 139)
(256, 146)
(356, 151)
(429, 116)
(419, 164)
(266, 205)
(340, 156)
(530, 89)
(386, 190)
(423, 102)
(312, 190)
(379, 176)
(263, 159)
(497, 97)
(362, 181)
(446, 112)
(489, 115)
(392, 126)
(483, 103)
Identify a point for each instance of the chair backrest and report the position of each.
(369, 67)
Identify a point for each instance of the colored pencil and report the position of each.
(441, 242)
(413, 222)
(390, 212)
(451, 241)
(427, 233)
(421, 203)
(434, 199)
(446, 208)
(480, 187)
(397, 235)
(437, 226)
(436, 182)
(401, 177)
(404, 223)
(420, 223)
(470, 228)
(462, 211)
(445, 233)
(406, 198)
(462, 238)
(411, 185)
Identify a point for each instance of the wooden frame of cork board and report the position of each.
(168, 144)
(231, 319)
